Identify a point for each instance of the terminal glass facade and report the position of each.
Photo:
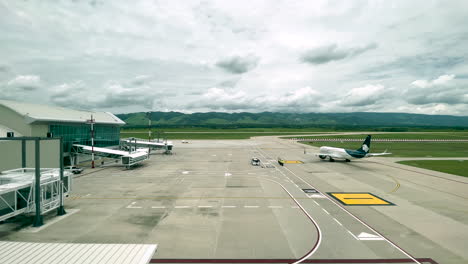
(104, 135)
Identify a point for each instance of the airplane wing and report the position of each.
(378, 154)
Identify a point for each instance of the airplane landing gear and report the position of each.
(347, 160)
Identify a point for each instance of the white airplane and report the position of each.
(347, 154)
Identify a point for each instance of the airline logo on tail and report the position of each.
(365, 148)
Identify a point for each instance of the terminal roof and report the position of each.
(45, 113)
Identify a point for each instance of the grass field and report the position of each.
(206, 133)
(203, 135)
(407, 149)
(222, 130)
(457, 167)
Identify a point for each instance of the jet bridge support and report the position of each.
(155, 144)
(12, 194)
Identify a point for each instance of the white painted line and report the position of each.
(325, 211)
(229, 206)
(227, 174)
(367, 236)
(338, 222)
(87, 195)
(275, 206)
(310, 217)
(205, 206)
(297, 185)
(130, 206)
(251, 173)
(316, 203)
(49, 223)
(316, 196)
(182, 206)
(355, 217)
(352, 235)
(251, 206)
(158, 207)
(295, 207)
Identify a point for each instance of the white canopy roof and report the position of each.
(135, 154)
(45, 113)
(58, 253)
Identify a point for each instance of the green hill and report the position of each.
(294, 120)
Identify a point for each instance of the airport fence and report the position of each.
(374, 140)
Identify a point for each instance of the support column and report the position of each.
(37, 190)
(23, 153)
(61, 209)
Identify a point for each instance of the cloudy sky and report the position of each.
(234, 56)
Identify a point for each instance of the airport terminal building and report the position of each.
(34, 120)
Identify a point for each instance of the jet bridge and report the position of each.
(126, 158)
(154, 144)
(17, 191)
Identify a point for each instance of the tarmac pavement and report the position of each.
(207, 202)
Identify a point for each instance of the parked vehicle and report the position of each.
(255, 161)
(74, 169)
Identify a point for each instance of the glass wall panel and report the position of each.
(104, 135)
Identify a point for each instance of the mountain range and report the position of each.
(299, 120)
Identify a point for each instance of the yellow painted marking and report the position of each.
(397, 184)
(292, 161)
(359, 199)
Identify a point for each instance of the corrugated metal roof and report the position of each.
(45, 113)
(58, 253)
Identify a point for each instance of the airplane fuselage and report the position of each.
(340, 153)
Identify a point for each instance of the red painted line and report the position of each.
(376, 261)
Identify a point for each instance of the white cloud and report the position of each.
(441, 80)
(238, 64)
(25, 82)
(366, 95)
(443, 90)
(22, 86)
(329, 53)
(257, 53)
(113, 95)
(299, 100)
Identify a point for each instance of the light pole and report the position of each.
(91, 121)
(148, 115)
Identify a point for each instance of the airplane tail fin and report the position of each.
(365, 145)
